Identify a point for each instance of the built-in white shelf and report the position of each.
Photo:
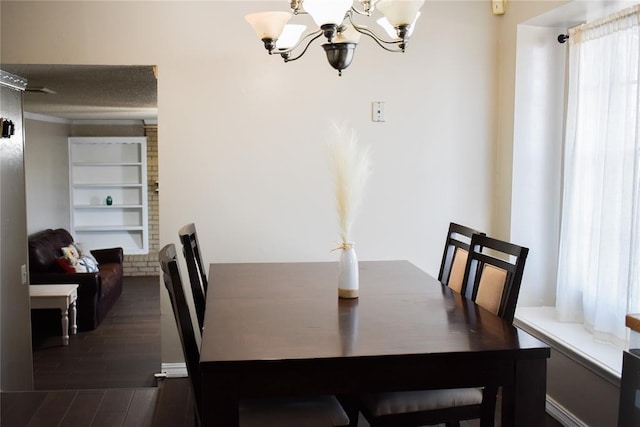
(107, 206)
(115, 167)
(109, 228)
(110, 185)
(92, 164)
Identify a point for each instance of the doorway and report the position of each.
(63, 101)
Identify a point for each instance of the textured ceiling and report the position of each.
(90, 92)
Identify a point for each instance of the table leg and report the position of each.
(221, 407)
(524, 400)
(65, 327)
(74, 318)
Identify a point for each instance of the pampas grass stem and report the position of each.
(351, 169)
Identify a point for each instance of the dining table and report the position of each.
(280, 330)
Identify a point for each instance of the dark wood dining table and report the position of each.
(279, 329)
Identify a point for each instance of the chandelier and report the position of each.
(335, 19)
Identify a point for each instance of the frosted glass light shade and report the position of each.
(268, 25)
(290, 36)
(327, 11)
(392, 32)
(349, 35)
(400, 12)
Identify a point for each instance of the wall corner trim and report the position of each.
(561, 414)
(175, 370)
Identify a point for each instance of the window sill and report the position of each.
(572, 340)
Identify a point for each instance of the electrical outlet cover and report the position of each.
(498, 7)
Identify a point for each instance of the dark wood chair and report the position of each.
(321, 411)
(454, 257)
(195, 268)
(492, 274)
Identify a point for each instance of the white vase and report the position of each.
(348, 278)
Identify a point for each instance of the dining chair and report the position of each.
(454, 257)
(321, 411)
(493, 273)
(195, 268)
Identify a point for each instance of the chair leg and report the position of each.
(196, 418)
(350, 406)
(488, 411)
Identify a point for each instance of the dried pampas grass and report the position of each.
(351, 169)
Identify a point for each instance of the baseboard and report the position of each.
(174, 370)
(562, 415)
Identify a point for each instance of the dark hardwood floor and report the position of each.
(104, 377)
(122, 352)
(79, 408)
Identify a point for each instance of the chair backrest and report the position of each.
(195, 268)
(454, 257)
(494, 273)
(173, 283)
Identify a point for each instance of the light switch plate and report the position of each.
(377, 111)
(498, 7)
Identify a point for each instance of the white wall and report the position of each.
(47, 175)
(15, 335)
(537, 158)
(518, 12)
(241, 135)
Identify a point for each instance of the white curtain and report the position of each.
(599, 263)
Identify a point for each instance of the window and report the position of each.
(598, 280)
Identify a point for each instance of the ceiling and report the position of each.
(89, 92)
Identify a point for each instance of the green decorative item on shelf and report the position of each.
(109, 201)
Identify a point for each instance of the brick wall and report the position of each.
(147, 265)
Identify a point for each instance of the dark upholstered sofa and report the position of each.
(97, 292)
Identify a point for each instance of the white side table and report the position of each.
(63, 297)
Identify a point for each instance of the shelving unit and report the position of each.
(109, 166)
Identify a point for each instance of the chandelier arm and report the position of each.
(379, 40)
(314, 34)
(359, 12)
(287, 58)
(380, 43)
